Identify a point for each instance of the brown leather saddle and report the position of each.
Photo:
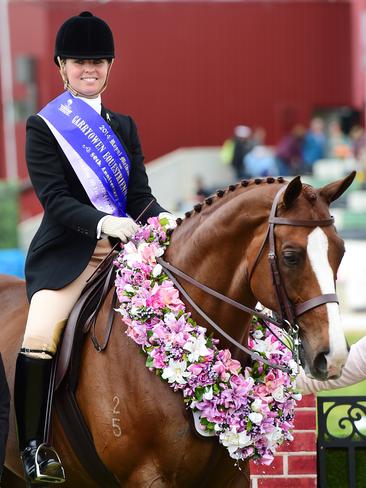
(80, 325)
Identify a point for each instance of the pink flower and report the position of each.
(165, 295)
(160, 332)
(159, 358)
(266, 459)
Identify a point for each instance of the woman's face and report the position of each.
(87, 76)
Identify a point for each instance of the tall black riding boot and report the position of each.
(32, 403)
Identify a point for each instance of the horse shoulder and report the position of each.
(12, 291)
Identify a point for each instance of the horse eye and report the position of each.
(291, 258)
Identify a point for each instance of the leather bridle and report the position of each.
(288, 312)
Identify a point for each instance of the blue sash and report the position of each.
(93, 150)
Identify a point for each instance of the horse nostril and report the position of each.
(320, 364)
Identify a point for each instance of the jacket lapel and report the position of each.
(113, 122)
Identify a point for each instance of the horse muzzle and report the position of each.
(323, 366)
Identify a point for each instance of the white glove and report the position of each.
(122, 227)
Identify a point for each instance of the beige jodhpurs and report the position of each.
(50, 309)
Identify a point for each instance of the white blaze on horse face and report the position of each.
(318, 255)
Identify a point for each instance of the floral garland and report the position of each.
(250, 411)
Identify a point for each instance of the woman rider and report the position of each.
(86, 166)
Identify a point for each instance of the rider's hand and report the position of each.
(122, 227)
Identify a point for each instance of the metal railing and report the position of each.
(341, 444)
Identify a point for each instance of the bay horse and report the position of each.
(141, 429)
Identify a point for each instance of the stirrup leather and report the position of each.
(46, 477)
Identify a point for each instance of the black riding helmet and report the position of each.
(84, 37)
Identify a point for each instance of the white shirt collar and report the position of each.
(95, 103)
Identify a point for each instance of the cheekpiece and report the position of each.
(84, 36)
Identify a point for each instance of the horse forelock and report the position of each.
(308, 206)
(310, 193)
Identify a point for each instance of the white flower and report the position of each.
(255, 417)
(132, 258)
(208, 395)
(197, 347)
(258, 334)
(293, 366)
(129, 289)
(176, 372)
(159, 252)
(157, 270)
(133, 311)
(233, 441)
(172, 224)
(266, 346)
(256, 405)
(274, 438)
(279, 394)
(297, 396)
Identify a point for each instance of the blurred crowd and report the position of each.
(296, 153)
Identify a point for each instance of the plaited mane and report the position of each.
(219, 194)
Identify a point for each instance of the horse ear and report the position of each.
(292, 191)
(334, 190)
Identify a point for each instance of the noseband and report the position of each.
(287, 311)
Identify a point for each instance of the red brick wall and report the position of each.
(295, 462)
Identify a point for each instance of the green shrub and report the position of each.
(9, 214)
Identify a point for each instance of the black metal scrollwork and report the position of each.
(341, 424)
(346, 419)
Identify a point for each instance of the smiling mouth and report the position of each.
(89, 79)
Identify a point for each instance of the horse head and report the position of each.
(226, 242)
(308, 257)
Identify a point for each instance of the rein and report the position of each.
(287, 311)
(169, 270)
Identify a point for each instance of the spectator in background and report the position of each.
(358, 144)
(337, 143)
(259, 136)
(201, 192)
(313, 147)
(358, 141)
(260, 161)
(242, 144)
(289, 152)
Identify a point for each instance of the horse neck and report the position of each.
(212, 246)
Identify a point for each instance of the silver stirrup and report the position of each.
(44, 477)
